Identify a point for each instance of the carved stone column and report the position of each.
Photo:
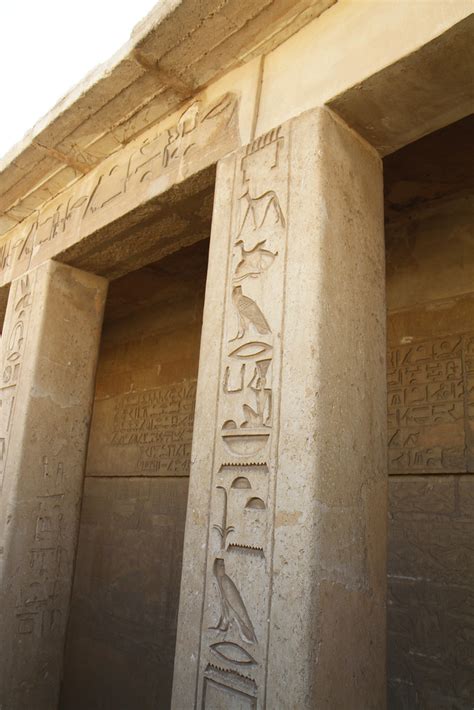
(283, 589)
(49, 351)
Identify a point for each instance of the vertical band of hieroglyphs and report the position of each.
(13, 346)
(234, 634)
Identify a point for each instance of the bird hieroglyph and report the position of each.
(248, 313)
(232, 605)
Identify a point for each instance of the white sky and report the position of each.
(47, 46)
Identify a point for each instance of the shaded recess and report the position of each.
(429, 187)
(122, 628)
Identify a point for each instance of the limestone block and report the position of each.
(49, 350)
(430, 545)
(283, 592)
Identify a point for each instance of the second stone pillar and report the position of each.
(49, 353)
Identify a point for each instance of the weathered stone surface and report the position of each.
(146, 384)
(431, 604)
(121, 635)
(430, 250)
(284, 547)
(49, 352)
(427, 321)
(170, 222)
(466, 495)
(417, 495)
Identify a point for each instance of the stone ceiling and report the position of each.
(435, 167)
(159, 284)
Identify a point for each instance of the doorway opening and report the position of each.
(430, 328)
(122, 628)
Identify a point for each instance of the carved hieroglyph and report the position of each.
(431, 406)
(145, 432)
(49, 350)
(13, 342)
(234, 626)
(284, 531)
(149, 165)
(159, 423)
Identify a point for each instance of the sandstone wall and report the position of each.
(122, 627)
(430, 291)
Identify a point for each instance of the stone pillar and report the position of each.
(283, 589)
(49, 352)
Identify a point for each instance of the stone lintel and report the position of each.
(179, 48)
(125, 189)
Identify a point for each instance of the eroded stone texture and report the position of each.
(442, 68)
(431, 605)
(284, 558)
(49, 352)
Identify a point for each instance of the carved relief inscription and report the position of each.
(431, 406)
(157, 425)
(234, 628)
(13, 346)
(39, 609)
(201, 134)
